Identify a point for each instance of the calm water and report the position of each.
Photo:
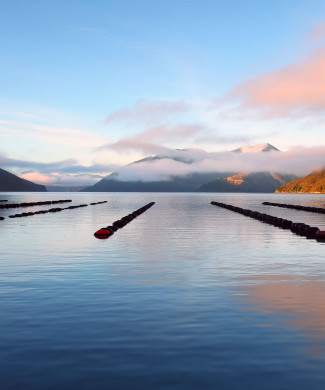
(187, 296)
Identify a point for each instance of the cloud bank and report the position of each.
(64, 172)
(299, 161)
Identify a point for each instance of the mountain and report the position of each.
(147, 174)
(247, 182)
(256, 148)
(312, 183)
(11, 182)
(186, 170)
(187, 183)
(181, 155)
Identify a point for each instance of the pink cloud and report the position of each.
(151, 140)
(133, 144)
(164, 133)
(56, 178)
(317, 34)
(296, 90)
(148, 111)
(38, 178)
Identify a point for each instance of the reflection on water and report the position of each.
(297, 302)
(186, 296)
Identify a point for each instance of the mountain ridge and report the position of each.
(12, 183)
(312, 183)
(247, 182)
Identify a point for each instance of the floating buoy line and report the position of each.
(318, 210)
(53, 210)
(301, 229)
(3, 200)
(108, 231)
(31, 204)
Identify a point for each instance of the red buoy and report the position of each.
(102, 233)
(320, 235)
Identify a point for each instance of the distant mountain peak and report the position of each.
(256, 148)
(181, 155)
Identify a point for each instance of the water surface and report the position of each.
(186, 296)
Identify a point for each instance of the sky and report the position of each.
(87, 87)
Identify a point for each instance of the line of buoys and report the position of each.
(75, 207)
(298, 228)
(53, 210)
(318, 210)
(93, 204)
(31, 204)
(108, 231)
(1, 201)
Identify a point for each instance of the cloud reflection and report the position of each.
(297, 300)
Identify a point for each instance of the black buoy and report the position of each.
(311, 232)
(298, 228)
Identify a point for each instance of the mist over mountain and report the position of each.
(11, 182)
(186, 183)
(196, 170)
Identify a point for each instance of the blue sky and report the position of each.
(83, 84)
